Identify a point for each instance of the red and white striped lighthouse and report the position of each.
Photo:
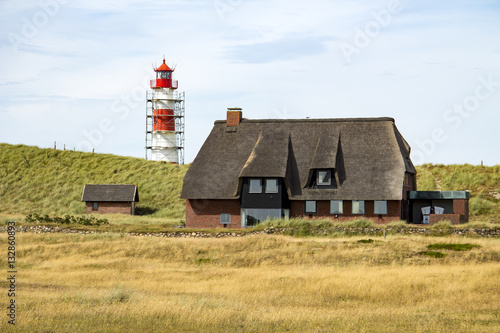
(165, 118)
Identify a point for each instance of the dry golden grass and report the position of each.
(117, 283)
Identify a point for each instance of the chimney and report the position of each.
(234, 116)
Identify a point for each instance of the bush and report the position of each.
(68, 219)
(478, 206)
(397, 224)
(446, 225)
(453, 247)
(434, 254)
(366, 241)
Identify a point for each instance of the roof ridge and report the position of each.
(367, 119)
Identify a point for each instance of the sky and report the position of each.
(76, 72)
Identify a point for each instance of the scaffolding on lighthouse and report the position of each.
(165, 118)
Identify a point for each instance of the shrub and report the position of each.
(454, 247)
(83, 220)
(434, 254)
(366, 241)
(478, 205)
(446, 225)
(397, 224)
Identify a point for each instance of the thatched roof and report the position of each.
(115, 193)
(369, 156)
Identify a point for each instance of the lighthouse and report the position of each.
(165, 118)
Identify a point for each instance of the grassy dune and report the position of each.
(117, 283)
(483, 183)
(49, 181)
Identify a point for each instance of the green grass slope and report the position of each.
(49, 181)
(483, 182)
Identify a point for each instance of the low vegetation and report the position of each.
(67, 219)
(434, 254)
(263, 283)
(49, 181)
(452, 246)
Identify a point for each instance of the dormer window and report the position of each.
(324, 177)
(271, 186)
(255, 186)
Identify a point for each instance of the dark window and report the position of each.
(255, 186)
(358, 207)
(324, 177)
(310, 206)
(225, 218)
(95, 206)
(271, 186)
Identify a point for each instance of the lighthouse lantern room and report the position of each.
(165, 118)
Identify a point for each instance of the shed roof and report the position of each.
(369, 155)
(110, 192)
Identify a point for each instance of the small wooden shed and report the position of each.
(110, 198)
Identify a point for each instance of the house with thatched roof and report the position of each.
(110, 198)
(250, 170)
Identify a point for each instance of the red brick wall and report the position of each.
(233, 118)
(453, 218)
(109, 207)
(206, 213)
(461, 206)
(297, 209)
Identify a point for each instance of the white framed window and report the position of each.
(358, 207)
(310, 206)
(271, 186)
(95, 206)
(380, 207)
(324, 177)
(255, 186)
(225, 218)
(336, 207)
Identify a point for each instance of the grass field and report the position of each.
(117, 283)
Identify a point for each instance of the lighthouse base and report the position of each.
(164, 148)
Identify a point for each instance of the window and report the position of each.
(380, 207)
(271, 186)
(253, 216)
(225, 218)
(255, 186)
(310, 206)
(336, 207)
(358, 207)
(95, 206)
(324, 177)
